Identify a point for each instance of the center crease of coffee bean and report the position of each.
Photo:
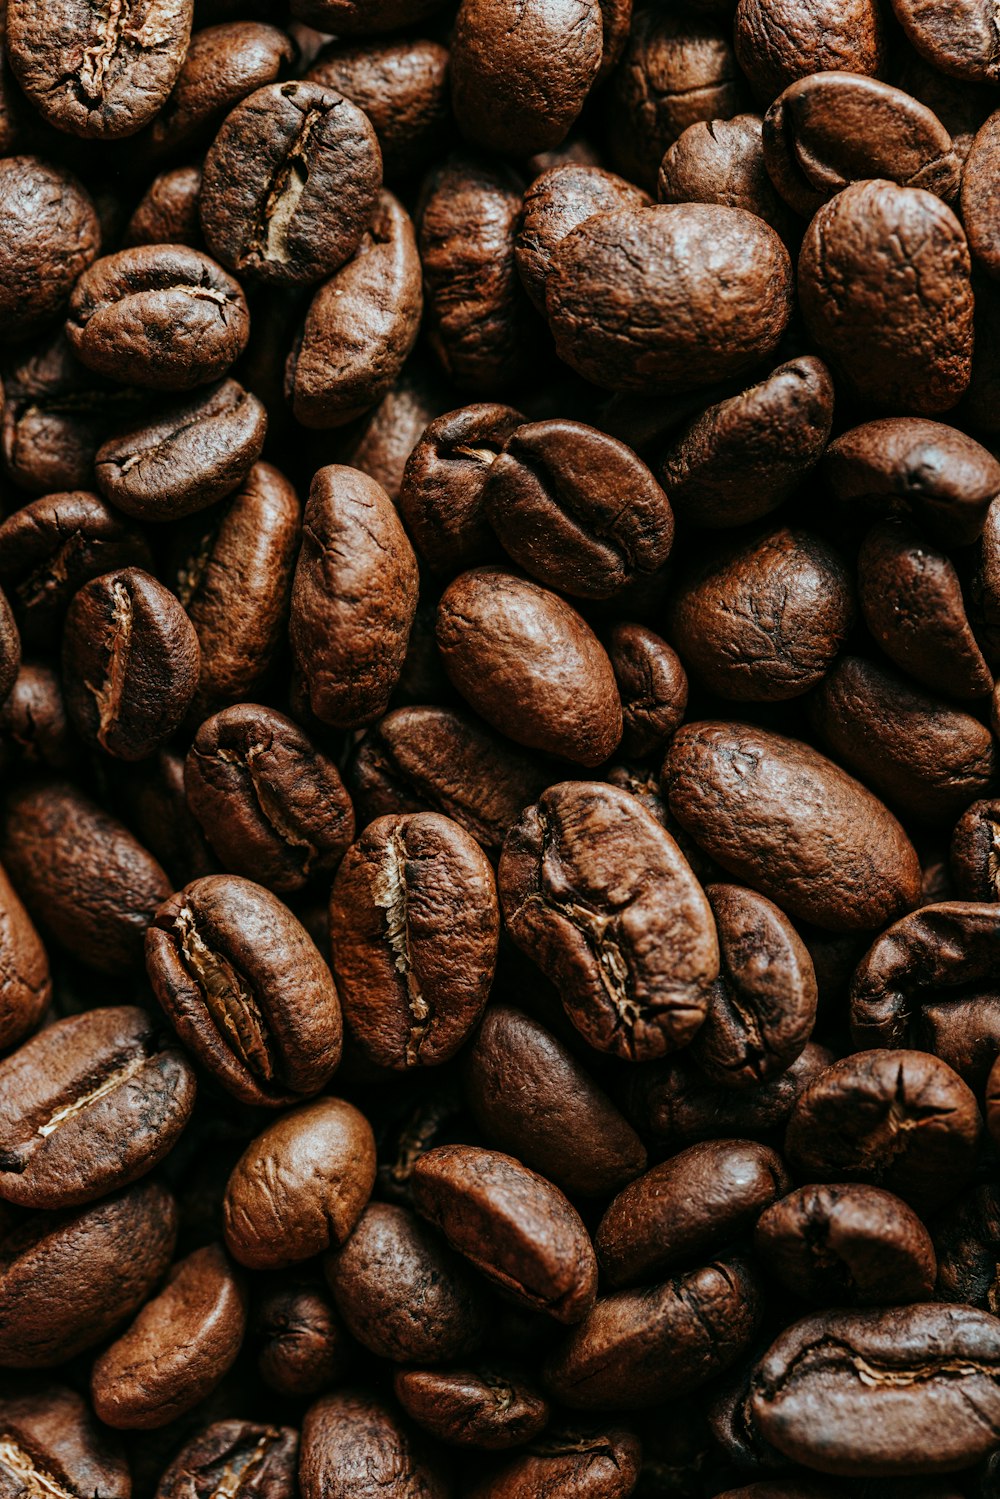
(229, 1002)
(36, 1484)
(116, 1080)
(389, 894)
(117, 643)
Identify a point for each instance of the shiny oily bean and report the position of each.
(353, 1447)
(486, 1408)
(554, 499)
(402, 1294)
(598, 894)
(246, 990)
(722, 161)
(639, 1348)
(223, 65)
(300, 1186)
(25, 982)
(743, 794)
(66, 1280)
(354, 597)
(130, 661)
(270, 803)
(177, 1349)
(513, 1225)
(414, 930)
(910, 1390)
(49, 1441)
(555, 203)
(89, 1105)
(975, 852)
(243, 1459)
(303, 1345)
(581, 1462)
(850, 1245)
(523, 658)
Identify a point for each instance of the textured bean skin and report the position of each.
(555, 203)
(571, 1460)
(25, 982)
(53, 1427)
(722, 161)
(749, 798)
(482, 1408)
(223, 65)
(779, 42)
(975, 852)
(261, 1460)
(51, 233)
(353, 1447)
(402, 86)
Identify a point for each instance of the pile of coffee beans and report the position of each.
(500, 751)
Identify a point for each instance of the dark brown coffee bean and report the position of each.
(960, 41)
(414, 927)
(437, 760)
(578, 1462)
(912, 1390)
(81, 873)
(186, 458)
(520, 73)
(553, 497)
(162, 316)
(778, 41)
(402, 86)
(763, 1005)
(639, 1348)
(743, 457)
(556, 202)
(902, 1120)
(283, 157)
(669, 261)
(525, 660)
(975, 852)
(925, 757)
(687, 1209)
(49, 230)
(353, 1447)
(487, 1408)
(531, 1097)
(34, 728)
(66, 1280)
(598, 894)
(222, 65)
(25, 984)
(130, 663)
(249, 1461)
(89, 1105)
(360, 327)
(10, 648)
(652, 685)
(903, 467)
(167, 213)
(303, 1345)
(51, 1431)
(967, 1242)
(752, 799)
(979, 195)
(910, 309)
(246, 990)
(847, 1245)
(984, 588)
(722, 161)
(516, 1227)
(268, 800)
(353, 597)
(300, 1186)
(96, 74)
(402, 1294)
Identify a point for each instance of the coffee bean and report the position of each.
(167, 214)
(960, 41)
(251, 1461)
(348, 17)
(722, 161)
(652, 684)
(245, 989)
(975, 852)
(979, 196)
(303, 1344)
(222, 66)
(10, 648)
(25, 983)
(967, 1243)
(51, 1430)
(50, 233)
(34, 729)
(354, 1448)
(555, 203)
(778, 41)
(381, 443)
(485, 1408)
(579, 1462)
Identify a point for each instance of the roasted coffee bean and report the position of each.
(403, 1295)
(301, 1186)
(975, 852)
(687, 1209)
(849, 1245)
(579, 1462)
(81, 874)
(979, 196)
(34, 729)
(639, 1348)
(303, 1345)
(130, 662)
(553, 497)
(967, 1242)
(49, 232)
(653, 687)
(902, 1120)
(555, 203)
(752, 800)
(353, 1447)
(984, 590)
(525, 660)
(89, 1105)
(25, 983)
(97, 75)
(911, 1390)
(485, 1407)
(722, 161)
(598, 894)
(167, 213)
(162, 316)
(380, 444)
(246, 990)
(248, 1461)
(10, 648)
(268, 800)
(960, 41)
(360, 327)
(185, 459)
(414, 929)
(177, 1349)
(282, 157)
(531, 1097)
(514, 1226)
(153, 804)
(741, 458)
(51, 1431)
(438, 760)
(222, 65)
(631, 294)
(66, 1280)
(778, 41)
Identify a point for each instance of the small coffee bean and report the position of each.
(25, 983)
(223, 64)
(961, 41)
(303, 1345)
(722, 161)
(514, 1226)
(353, 1447)
(975, 852)
(52, 1431)
(485, 1408)
(281, 159)
(34, 728)
(778, 41)
(578, 1462)
(167, 213)
(249, 1461)
(245, 989)
(850, 1245)
(49, 232)
(652, 685)
(555, 203)
(300, 1186)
